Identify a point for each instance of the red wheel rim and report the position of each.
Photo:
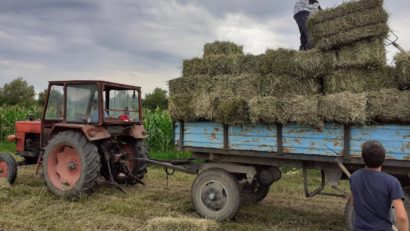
(4, 169)
(64, 167)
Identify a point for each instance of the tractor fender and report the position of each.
(92, 133)
(138, 132)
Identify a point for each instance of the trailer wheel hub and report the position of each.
(3, 169)
(214, 195)
(64, 167)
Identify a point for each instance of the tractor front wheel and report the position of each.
(71, 164)
(8, 168)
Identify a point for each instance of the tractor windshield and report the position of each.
(82, 103)
(123, 105)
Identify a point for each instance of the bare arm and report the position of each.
(402, 221)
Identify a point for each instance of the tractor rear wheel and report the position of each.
(71, 164)
(8, 167)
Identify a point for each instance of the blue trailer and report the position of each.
(240, 163)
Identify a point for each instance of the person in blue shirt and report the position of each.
(374, 193)
(94, 112)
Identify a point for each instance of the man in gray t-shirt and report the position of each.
(303, 9)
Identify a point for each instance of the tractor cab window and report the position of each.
(82, 103)
(55, 106)
(123, 105)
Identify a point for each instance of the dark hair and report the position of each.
(373, 154)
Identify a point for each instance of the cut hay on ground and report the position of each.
(348, 22)
(403, 70)
(233, 111)
(263, 110)
(344, 108)
(345, 9)
(359, 80)
(181, 224)
(389, 105)
(279, 86)
(362, 54)
(348, 37)
(299, 109)
(193, 67)
(306, 64)
(222, 48)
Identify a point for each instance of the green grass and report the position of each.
(7, 147)
(169, 155)
(28, 205)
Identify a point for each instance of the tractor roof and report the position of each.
(106, 84)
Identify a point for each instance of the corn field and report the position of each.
(159, 126)
(10, 114)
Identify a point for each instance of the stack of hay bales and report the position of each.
(344, 79)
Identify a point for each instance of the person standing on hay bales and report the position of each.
(303, 9)
(374, 193)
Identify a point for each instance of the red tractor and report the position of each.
(88, 129)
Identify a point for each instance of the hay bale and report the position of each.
(232, 111)
(344, 108)
(283, 85)
(403, 70)
(389, 106)
(222, 65)
(299, 109)
(253, 64)
(181, 224)
(359, 80)
(187, 85)
(347, 23)
(345, 9)
(348, 37)
(204, 106)
(222, 48)
(263, 110)
(192, 67)
(305, 64)
(362, 54)
(180, 107)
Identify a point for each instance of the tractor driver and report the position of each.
(94, 112)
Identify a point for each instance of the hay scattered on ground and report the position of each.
(273, 85)
(389, 105)
(359, 80)
(348, 22)
(362, 54)
(299, 109)
(345, 9)
(263, 110)
(222, 48)
(306, 64)
(232, 111)
(181, 224)
(348, 37)
(344, 108)
(403, 70)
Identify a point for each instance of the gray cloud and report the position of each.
(141, 42)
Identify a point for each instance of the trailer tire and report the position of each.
(215, 194)
(253, 194)
(8, 167)
(71, 164)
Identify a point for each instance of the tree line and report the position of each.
(19, 92)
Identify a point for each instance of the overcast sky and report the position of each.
(142, 42)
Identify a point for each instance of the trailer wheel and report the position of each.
(252, 194)
(8, 167)
(71, 164)
(215, 194)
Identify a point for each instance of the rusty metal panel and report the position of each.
(255, 138)
(176, 132)
(203, 134)
(305, 140)
(395, 138)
